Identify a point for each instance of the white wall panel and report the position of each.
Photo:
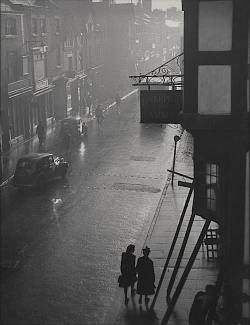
(214, 89)
(215, 26)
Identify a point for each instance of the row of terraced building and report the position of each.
(55, 52)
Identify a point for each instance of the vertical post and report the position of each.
(185, 273)
(176, 139)
(172, 248)
(179, 258)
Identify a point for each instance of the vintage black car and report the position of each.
(36, 169)
(73, 125)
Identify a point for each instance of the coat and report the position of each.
(146, 276)
(200, 308)
(40, 131)
(128, 269)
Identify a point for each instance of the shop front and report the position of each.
(60, 98)
(82, 92)
(73, 97)
(16, 123)
(42, 104)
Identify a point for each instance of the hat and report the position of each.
(146, 250)
(130, 248)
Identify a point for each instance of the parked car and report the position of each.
(73, 125)
(36, 169)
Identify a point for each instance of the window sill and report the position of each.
(58, 66)
(10, 36)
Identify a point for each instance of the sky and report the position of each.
(164, 4)
(157, 4)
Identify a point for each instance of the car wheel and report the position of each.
(40, 183)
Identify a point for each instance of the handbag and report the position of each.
(121, 281)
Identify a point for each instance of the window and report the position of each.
(57, 23)
(25, 65)
(58, 56)
(10, 26)
(212, 183)
(70, 40)
(70, 63)
(34, 26)
(43, 27)
(12, 64)
(24, 164)
(207, 180)
(38, 56)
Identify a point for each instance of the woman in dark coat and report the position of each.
(128, 271)
(40, 131)
(146, 276)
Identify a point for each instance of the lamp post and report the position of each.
(176, 139)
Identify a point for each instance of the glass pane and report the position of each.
(208, 179)
(213, 180)
(213, 170)
(208, 167)
(213, 205)
(212, 194)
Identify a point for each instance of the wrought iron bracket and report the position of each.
(164, 75)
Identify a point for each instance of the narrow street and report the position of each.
(68, 259)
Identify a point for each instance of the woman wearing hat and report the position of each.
(128, 271)
(146, 276)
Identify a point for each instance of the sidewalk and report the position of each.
(9, 159)
(159, 238)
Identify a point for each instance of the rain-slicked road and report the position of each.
(68, 268)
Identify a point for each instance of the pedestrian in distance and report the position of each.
(84, 129)
(146, 276)
(67, 142)
(201, 305)
(89, 102)
(99, 115)
(128, 271)
(83, 105)
(40, 131)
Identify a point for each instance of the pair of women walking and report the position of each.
(145, 270)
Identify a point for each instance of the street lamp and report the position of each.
(176, 139)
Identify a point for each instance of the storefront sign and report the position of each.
(40, 84)
(160, 106)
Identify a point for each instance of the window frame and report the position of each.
(212, 184)
(43, 25)
(25, 66)
(34, 26)
(11, 29)
(13, 73)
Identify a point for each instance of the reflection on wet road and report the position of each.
(70, 255)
